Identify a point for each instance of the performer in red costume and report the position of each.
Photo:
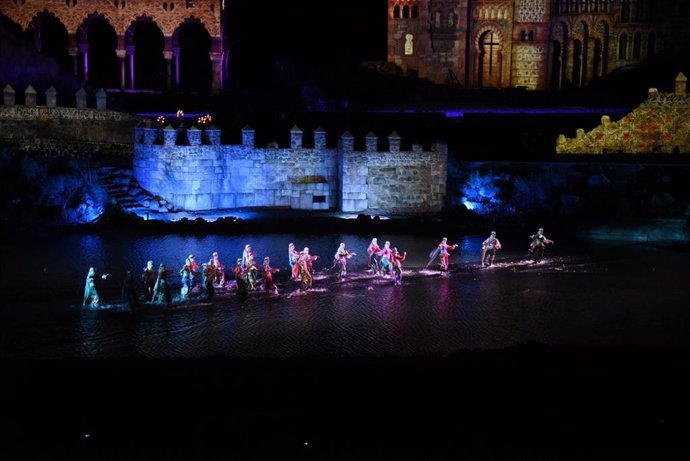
(268, 276)
(396, 261)
(306, 268)
(442, 251)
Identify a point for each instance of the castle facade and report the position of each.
(193, 175)
(536, 44)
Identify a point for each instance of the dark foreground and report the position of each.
(528, 402)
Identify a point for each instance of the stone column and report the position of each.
(30, 96)
(130, 52)
(81, 98)
(371, 141)
(217, 69)
(176, 53)
(296, 137)
(101, 98)
(394, 142)
(73, 54)
(319, 138)
(8, 98)
(681, 84)
(168, 56)
(169, 135)
(121, 54)
(84, 50)
(51, 97)
(347, 142)
(248, 136)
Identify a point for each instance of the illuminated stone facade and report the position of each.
(216, 176)
(123, 16)
(660, 125)
(536, 44)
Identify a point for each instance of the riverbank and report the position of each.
(525, 402)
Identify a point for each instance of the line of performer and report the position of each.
(248, 276)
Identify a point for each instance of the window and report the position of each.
(530, 36)
(637, 45)
(396, 11)
(623, 47)
(651, 44)
(415, 11)
(523, 36)
(409, 45)
(406, 11)
(625, 10)
(437, 19)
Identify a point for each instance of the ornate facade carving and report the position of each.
(168, 15)
(532, 11)
(578, 39)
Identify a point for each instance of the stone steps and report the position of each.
(126, 193)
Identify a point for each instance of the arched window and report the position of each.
(623, 47)
(415, 11)
(451, 20)
(437, 19)
(489, 68)
(651, 44)
(604, 5)
(625, 10)
(523, 36)
(406, 11)
(530, 36)
(409, 44)
(637, 45)
(396, 11)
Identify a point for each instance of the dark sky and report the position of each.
(316, 34)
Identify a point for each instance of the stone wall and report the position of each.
(203, 177)
(393, 181)
(31, 126)
(659, 125)
(230, 176)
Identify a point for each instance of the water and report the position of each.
(583, 294)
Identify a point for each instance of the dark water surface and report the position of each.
(583, 294)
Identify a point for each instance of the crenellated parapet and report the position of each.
(661, 125)
(32, 118)
(209, 175)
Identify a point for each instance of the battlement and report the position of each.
(39, 121)
(194, 171)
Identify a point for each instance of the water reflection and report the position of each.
(574, 297)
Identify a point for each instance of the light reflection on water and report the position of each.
(581, 295)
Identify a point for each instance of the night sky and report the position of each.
(316, 36)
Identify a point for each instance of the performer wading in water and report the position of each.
(161, 290)
(306, 269)
(442, 251)
(384, 255)
(90, 291)
(538, 245)
(240, 280)
(149, 277)
(293, 259)
(219, 270)
(396, 261)
(268, 276)
(341, 256)
(373, 262)
(489, 247)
